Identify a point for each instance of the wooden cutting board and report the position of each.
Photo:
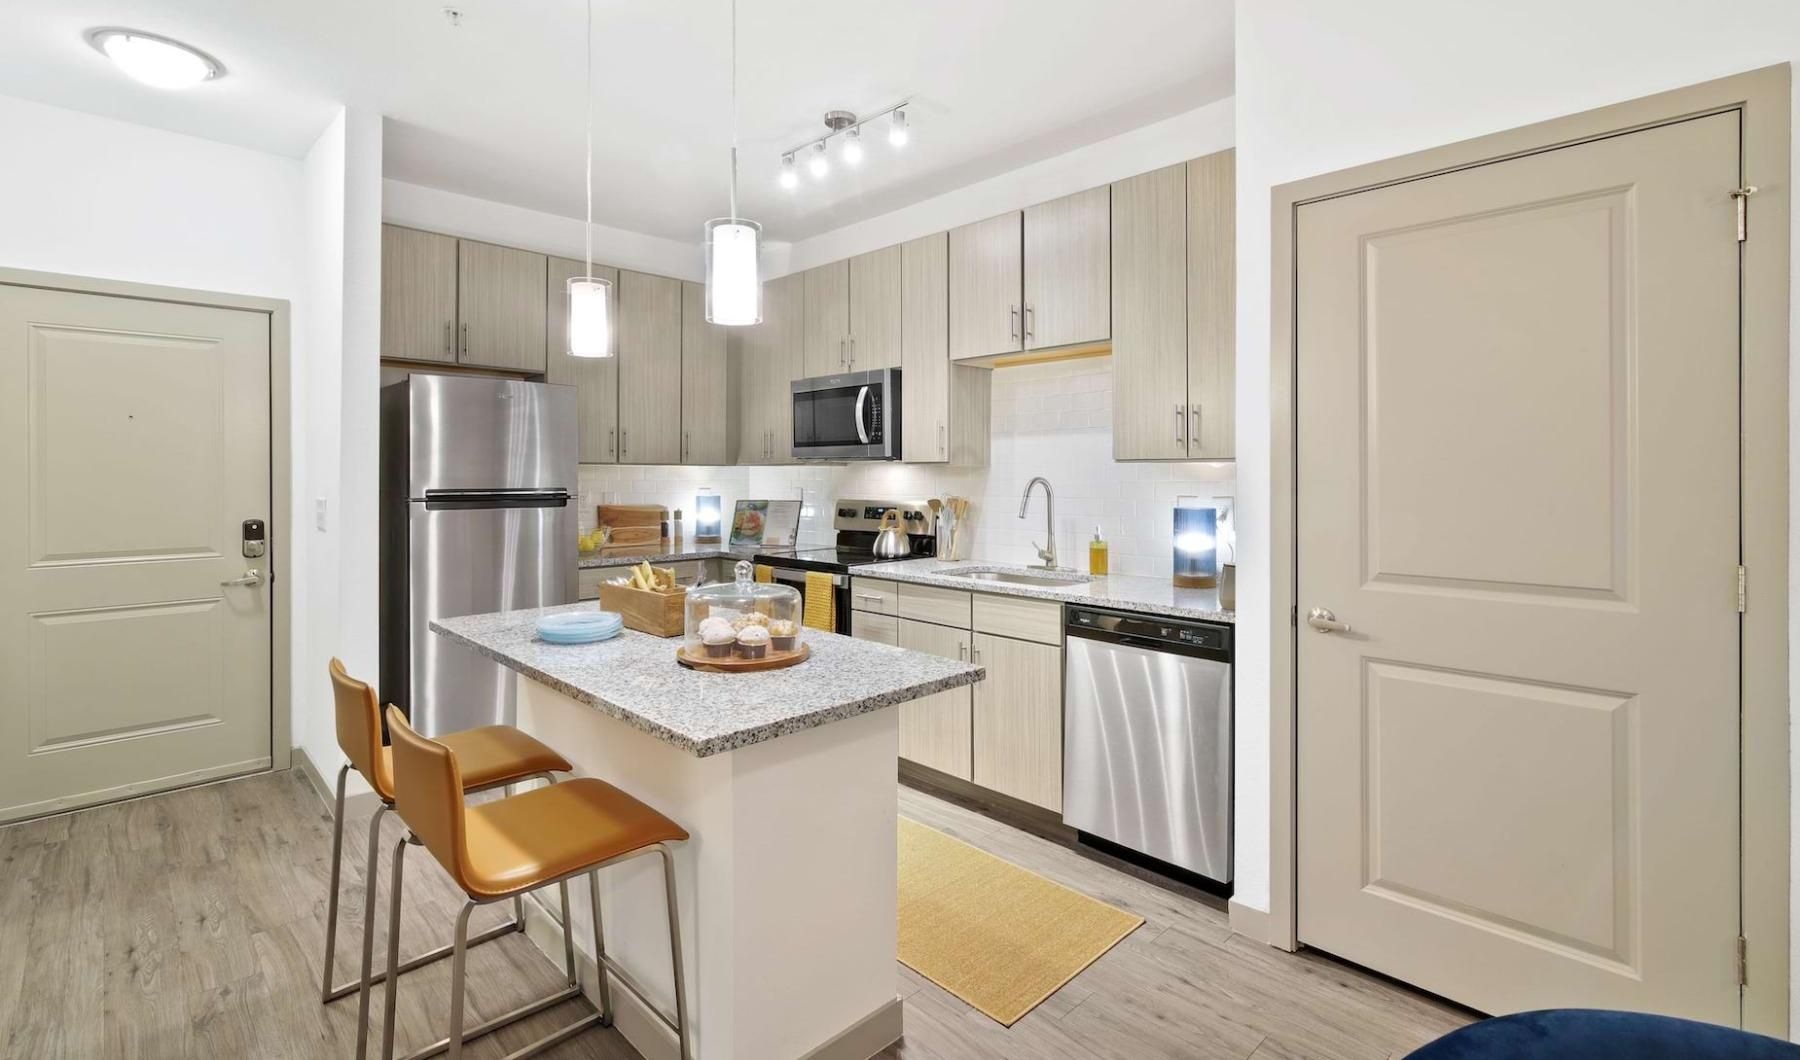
(617, 515)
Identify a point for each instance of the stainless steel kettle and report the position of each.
(892, 542)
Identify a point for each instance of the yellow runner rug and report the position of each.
(999, 937)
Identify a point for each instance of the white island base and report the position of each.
(787, 886)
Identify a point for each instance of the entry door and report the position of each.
(134, 442)
(1518, 470)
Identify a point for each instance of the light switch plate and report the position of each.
(319, 513)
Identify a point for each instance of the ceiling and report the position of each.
(492, 107)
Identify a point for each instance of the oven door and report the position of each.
(840, 593)
(854, 416)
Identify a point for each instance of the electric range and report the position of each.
(856, 522)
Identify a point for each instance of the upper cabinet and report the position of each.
(1068, 273)
(768, 358)
(987, 274)
(502, 302)
(418, 295)
(853, 314)
(706, 427)
(649, 338)
(595, 379)
(826, 331)
(944, 407)
(1173, 307)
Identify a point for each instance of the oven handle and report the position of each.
(862, 395)
(797, 578)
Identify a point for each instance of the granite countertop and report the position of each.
(628, 557)
(634, 677)
(1153, 596)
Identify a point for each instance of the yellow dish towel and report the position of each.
(821, 605)
(765, 573)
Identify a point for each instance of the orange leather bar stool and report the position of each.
(501, 849)
(493, 755)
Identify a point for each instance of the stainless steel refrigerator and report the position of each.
(478, 514)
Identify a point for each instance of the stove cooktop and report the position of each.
(831, 560)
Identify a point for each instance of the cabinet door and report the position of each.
(1068, 270)
(1018, 720)
(884, 629)
(875, 310)
(418, 295)
(649, 369)
(750, 388)
(925, 349)
(1212, 306)
(1150, 358)
(783, 301)
(705, 408)
(826, 331)
(986, 276)
(937, 731)
(502, 300)
(595, 379)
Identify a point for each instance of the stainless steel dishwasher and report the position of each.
(1147, 753)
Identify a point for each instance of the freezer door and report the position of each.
(465, 560)
(468, 432)
(1147, 752)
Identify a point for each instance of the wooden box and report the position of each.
(658, 614)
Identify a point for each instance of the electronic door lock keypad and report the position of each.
(256, 545)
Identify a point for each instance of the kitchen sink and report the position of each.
(1041, 578)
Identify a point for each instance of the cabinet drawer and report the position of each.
(927, 603)
(1012, 616)
(873, 594)
(866, 625)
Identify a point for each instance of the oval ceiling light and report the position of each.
(156, 61)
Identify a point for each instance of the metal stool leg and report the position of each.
(606, 1009)
(458, 975)
(681, 1020)
(393, 956)
(368, 942)
(331, 903)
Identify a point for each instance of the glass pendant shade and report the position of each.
(590, 317)
(733, 283)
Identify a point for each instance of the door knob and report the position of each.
(251, 579)
(1325, 622)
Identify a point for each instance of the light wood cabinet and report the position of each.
(825, 334)
(937, 731)
(595, 379)
(1018, 618)
(928, 603)
(875, 310)
(418, 295)
(649, 337)
(876, 595)
(502, 305)
(1018, 720)
(944, 407)
(1174, 308)
(987, 278)
(706, 428)
(866, 625)
(770, 357)
(1068, 271)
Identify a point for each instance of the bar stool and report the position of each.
(501, 849)
(494, 755)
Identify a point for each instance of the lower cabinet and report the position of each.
(1018, 720)
(936, 731)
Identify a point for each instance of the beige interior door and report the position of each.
(1518, 466)
(134, 442)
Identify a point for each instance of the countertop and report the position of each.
(625, 557)
(634, 677)
(1152, 596)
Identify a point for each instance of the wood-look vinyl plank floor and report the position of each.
(192, 924)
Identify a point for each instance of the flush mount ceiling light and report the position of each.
(590, 296)
(156, 61)
(848, 126)
(733, 285)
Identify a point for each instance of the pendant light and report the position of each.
(590, 296)
(733, 285)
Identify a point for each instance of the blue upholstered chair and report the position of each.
(1559, 1034)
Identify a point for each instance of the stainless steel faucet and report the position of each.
(1046, 552)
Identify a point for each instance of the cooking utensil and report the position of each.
(891, 542)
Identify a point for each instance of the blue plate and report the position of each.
(591, 637)
(579, 627)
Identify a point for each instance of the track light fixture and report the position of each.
(849, 126)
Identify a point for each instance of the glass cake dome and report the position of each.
(743, 619)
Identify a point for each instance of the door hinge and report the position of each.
(1743, 962)
(1743, 586)
(1741, 196)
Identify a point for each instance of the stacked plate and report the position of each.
(579, 627)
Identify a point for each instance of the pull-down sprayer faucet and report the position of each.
(1047, 551)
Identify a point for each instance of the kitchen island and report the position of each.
(785, 780)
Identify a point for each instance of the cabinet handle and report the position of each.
(1012, 321)
(1180, 425)
(1194, 431)
(870, 597)
(1030, 314)
(624, 441)
(962, 650)
(685, 447)
(852, 364)
(449, 349)
(612, 441)
(941, 448)
(974, 654)
(465, 340)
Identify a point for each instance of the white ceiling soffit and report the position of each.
(492, 107)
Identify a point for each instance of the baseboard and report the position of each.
(356, 803)
(647, 1033)
(1248, 922)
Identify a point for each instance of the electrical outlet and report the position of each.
(319, 513)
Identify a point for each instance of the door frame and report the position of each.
(281, 742)
(1762, 100)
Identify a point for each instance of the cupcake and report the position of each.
(752, 642)
(718, 636)
(749, 619)
(783, 635)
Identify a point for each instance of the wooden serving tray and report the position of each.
(731, 664)
(658, 614)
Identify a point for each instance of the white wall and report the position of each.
(1197, 132)
(1322, 86)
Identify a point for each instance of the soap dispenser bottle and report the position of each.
(1097, 554)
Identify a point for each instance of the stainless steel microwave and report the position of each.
(854, 416)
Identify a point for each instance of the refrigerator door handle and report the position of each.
(452, 500)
